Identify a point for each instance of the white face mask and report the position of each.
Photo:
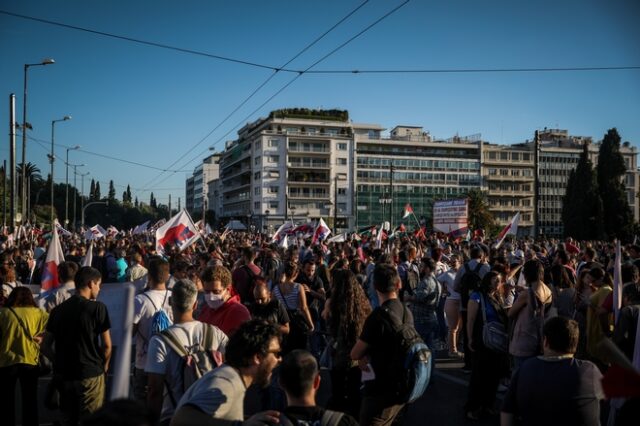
(214, 301)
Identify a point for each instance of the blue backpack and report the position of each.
(412, 359)
(160, 320)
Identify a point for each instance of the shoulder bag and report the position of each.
(494, 335)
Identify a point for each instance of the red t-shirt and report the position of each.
(228, 317)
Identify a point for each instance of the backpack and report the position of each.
(194, 362)
(412, 358)
(252, 282)
(160, 320)
(469, 282)
(329, 418)
(541, 314)
(412, 280)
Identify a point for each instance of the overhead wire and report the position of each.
(342, 45)
(260, 86)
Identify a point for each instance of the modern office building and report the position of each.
(408, 167)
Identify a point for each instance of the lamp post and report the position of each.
(75, 174)
(47, 61)
(52, 158)
(66, 182)
(82, 175)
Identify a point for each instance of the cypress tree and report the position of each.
(92, 191)
(617, 215)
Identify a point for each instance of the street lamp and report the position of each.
(47, 61)
(82, 175)
(75, 174)
(66, 181)
(52, 158)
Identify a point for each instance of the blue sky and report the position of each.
(151, 105)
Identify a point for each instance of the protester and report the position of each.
(146, 305)
(380, 403)
(21, 326)
(555, 388)
(251, 355)
(268, 308)
(345, 318)
(81, 362)
(293, 298)
(528, 314)
(488, 365)
(597, 329)
(136, 271)
(452, 306)
(164, 364)
(244, 276)
(222, 309)
(300, 379)
(66, 273)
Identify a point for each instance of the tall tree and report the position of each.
(136, 204)
(92, 190)
(479, 215)
(126, 196)
(582, 205)
(617, 215)
(152, 202)
(111, 196)
(96, 192)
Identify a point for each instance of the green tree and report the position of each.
(617, 215)
(96, 192)
(111, 196)
(92, 191)
(582, 205)
(126, 197)
(152, 202)
(479, 215)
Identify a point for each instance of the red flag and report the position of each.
(511, 228)
(408, 211)
(179, 231)
(55, 256)
(321, 232)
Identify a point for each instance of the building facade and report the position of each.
(410, 168)
(197, 187)
(285, 167)
(509, 179)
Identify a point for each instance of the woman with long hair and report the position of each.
(21, 324)
(345, 318)
(489, 366)
(293, 298)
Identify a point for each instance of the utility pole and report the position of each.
(335, 205)
(12, 159)
(391, 169)
(169, 207)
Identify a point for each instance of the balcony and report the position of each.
(308, 196)
(308, 163)
(309, 149)
(309, 178)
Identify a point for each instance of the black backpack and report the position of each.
(411, 358)
(469, 282)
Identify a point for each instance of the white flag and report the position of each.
(511, 228)
(88, 258)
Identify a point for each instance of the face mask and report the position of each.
(214, 301)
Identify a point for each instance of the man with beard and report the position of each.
(268, 308)
(251, 355)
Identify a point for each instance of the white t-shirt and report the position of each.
(55, 297)
(163, 360)
(143, 311)
(219, 393)
(447, 278)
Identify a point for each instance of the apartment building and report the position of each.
(508, 175)
(295, 164)
(197, 187)
(408, 167)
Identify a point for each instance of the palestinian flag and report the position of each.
(367, 231)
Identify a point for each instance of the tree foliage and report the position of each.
(111, 196)
(617, 215)
(479, 215)
(582, 205)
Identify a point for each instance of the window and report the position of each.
(273, 189)
(342, 207)
(342, 161)
(504, 155)
(342, 191)
(257, 175)
(274, 158)
(341, 146)
(273, 143)
(256, 205)
(273, 205)
(258, 145)
(256, 190)
(274, 174)
(257, 160)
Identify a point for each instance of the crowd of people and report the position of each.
(236, 328)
